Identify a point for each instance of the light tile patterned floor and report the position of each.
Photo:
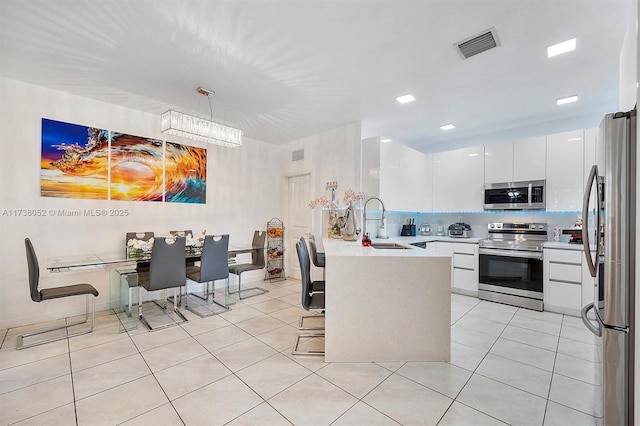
(509, 366)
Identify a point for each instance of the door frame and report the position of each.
(287, 201)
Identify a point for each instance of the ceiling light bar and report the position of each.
(405, 99)
(560, 48)
(566, 100)
(385, 140)
(446, 127)
(199, 129)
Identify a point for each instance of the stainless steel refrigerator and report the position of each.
(609, 238)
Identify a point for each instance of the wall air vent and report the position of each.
(478, 43)
(297, 155)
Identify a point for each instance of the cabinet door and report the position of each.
(458, 178)
(465, 268)
(563, 281)
(447, 250)
(405, 178)
(564, 171)
(529, 159)
(498, 162)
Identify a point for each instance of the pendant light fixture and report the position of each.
(199, 129)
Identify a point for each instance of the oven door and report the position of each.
(514, 272)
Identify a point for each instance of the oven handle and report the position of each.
(512, 253)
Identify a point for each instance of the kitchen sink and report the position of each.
(389, 246)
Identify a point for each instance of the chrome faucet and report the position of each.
(364, 215)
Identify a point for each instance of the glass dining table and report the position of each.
(100, 260)
(123, 275)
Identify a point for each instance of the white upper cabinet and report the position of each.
(515, 161)
(370, 166)
(458, 180)
(529, 157)
(498, 162)
(565, 156)
(590, 136)
(405, 178)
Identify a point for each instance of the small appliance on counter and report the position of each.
(576, 235)
(425, 229)
(459, 230)
(409, 229)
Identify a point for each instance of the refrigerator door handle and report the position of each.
(591, 261)
(595, 329)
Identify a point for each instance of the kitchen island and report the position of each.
(386, 304)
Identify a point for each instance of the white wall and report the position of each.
(242, 195)
(330, 156)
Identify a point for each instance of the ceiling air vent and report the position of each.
(297, 155)
(478, 43)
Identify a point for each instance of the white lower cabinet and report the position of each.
(464, 266)
(567, 283)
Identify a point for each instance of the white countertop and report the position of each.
(563, 246)
(338, 247)
(430, 238)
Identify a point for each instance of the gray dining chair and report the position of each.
(141, 267)
(40, 295)
(184, 233)
(166, 270)
(181, 233)
(214, 266)
(310, 301)
(257, 262)
(318, 259)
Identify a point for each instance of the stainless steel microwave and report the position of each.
(528, 195)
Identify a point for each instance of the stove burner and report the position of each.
(515, 236)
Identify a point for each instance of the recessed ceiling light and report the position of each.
(406, 98)
(567, 100)
(564, 47)
(385, 140)
(574, 139)
(447, 127)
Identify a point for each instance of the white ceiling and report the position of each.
(286, 69)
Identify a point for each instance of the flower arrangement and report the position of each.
(350, 197)
(138, 248)
(336, 223)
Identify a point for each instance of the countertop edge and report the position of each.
(562, 246)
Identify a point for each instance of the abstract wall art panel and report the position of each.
(74, 161)
(136, 168)
(185, 174)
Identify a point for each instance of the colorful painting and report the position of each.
(74, 161)
(185, 174)
(136, 168)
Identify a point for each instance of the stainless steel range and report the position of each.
(511, 264)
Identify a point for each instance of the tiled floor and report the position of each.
(508, 366)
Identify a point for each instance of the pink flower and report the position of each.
(350, 197)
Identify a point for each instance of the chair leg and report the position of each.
(175, 304)
(259, 290)
(210, 300)
(296, 351)
(90, 310)
(301, 325)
